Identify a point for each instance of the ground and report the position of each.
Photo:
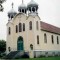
(43, 58)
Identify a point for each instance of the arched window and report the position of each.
(57, 40)
(20, 27)
(16, 28)
(31, 46)
(9, 30)
(52, 39)
(30, 25)
(37, 25)
(23, 26)
(11, 16)
(37, 39)
(45, 38)
(9, 49)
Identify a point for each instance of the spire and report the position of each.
(22, 1)
(12, 5)
(31, 0)
(22, 8)
(11, 13)
(32, 7)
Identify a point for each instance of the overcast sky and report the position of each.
(49, 11)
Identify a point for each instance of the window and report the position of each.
(45, 38)
(57, 40)
(9, 49)
(37, 25)
(20, 27)
(52, 39)
(23, 26)
(16, 28)
(37, 39)
(9, 30)
(30, 25)
(31, 46)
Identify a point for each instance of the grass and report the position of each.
(44, 58)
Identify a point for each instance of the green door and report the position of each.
(20, 44)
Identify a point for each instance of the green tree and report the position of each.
(2, 46)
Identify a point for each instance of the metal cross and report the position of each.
(22, 1)
(12, 5)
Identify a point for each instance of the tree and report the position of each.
(2, 46)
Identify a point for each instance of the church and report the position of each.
(27, 33)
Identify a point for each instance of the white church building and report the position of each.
(26, 32)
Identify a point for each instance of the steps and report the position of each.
(17, 54)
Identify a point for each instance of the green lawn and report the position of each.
(48, 58)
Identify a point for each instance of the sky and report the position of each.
(49, 12)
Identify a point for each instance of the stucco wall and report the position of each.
(30, 36)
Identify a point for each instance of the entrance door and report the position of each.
(20, 44)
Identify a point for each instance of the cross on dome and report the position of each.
(32, 7)
(22, 8)
(12, 5)
(31, 0)
(11, 13)
(22, 1)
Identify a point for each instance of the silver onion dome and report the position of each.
(32, 6)
(11, 13)
(22, 8)
(2, 1)
(1, 8)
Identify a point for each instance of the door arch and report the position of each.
(20, 45)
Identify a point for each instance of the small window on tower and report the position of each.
(11, 16)
(9, 30)
(23, 10)
(30, 25)
(37, 25)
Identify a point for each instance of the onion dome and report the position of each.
(32, 6)
(2, 1)
(1, 8)
(22, 8)
(11, 13)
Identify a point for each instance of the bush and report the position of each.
(2, 55)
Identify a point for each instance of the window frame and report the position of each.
(20, 27)
(52, 38)
(57, 40)
(9, 30)
(23, 26)
(16, 28)
(45, 38)
(30, 25)
(38, 39)
(37, 26)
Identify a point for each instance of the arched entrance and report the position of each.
(20, 46)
